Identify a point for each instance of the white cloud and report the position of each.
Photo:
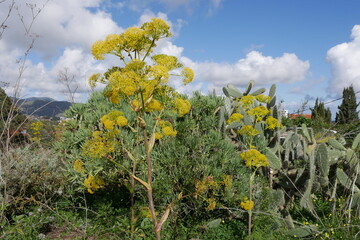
(263, 69)
(344, 59)
(59, 24)
(67, 29)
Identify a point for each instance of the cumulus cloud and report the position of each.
(211, 6)
(60, 23)
(67, 29)
(255, 66)
(344, 59)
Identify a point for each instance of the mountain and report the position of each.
(43, 107)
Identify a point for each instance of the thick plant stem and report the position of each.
(149, 181)
(250, 198)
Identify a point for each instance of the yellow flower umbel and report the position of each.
(114, 118)
(93, 183)
(272, 123)
(211, 204)
(79, 166)
(247, 101)
(100, 145)
(235, 117)
(247, 205)
(258, 113)
(262, 98)
(182, 106)
(253, 158)
(166, 130)
(248, 130)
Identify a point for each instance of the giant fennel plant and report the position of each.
(140, 82)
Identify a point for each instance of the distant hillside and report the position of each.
(43, 107)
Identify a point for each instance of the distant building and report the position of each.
(284, 113)
(293, 116)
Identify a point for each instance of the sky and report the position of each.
(309, 49)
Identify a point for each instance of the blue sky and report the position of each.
(308, 48)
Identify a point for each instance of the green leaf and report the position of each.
(356, 142)
(233, 125)
(213, 224)
(274, 161)
(306, 133)
(351, 157)
(271, 103)
(322, 159)
(272, 91)
(301, 232)
(258, 92)
(249, 86)
(335, 144)
(355, 200)
(233, 91)
(345, 180)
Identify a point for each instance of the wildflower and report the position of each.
(188, 75)
(154, 105)
(248, 130)
(169, 62)
(182, 106)
(97, 50)
(253, 158)
(272, 123)
(227, 180)
(200, 187)
(93, 183)
(211, 204)
(158, 136)
(93, 79)
(235, 117)
(247, 100)
(262, 98)
(156, 29)
(79, 166)
(122, 121)
(169, 131)
(99, 145)
(258, 113)
(247, 205)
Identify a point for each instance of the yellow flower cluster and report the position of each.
(79, 166)
(94, 78)
(188, 75)
(137, 81)
(235, 117)
(170, 62)
(247, 204)
(227, 181)
(182, 106)
(247, 101)
(248, 130)
(258, 113)
(93, 183)
(263, 98)
(36, 130)
(253, 158)
(211, 204)
(272, 123)
(114, 117)
(154, 105)
(99, 145)
(166, 130)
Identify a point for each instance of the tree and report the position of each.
(69, 82)
(347, 110)
(319, 113)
